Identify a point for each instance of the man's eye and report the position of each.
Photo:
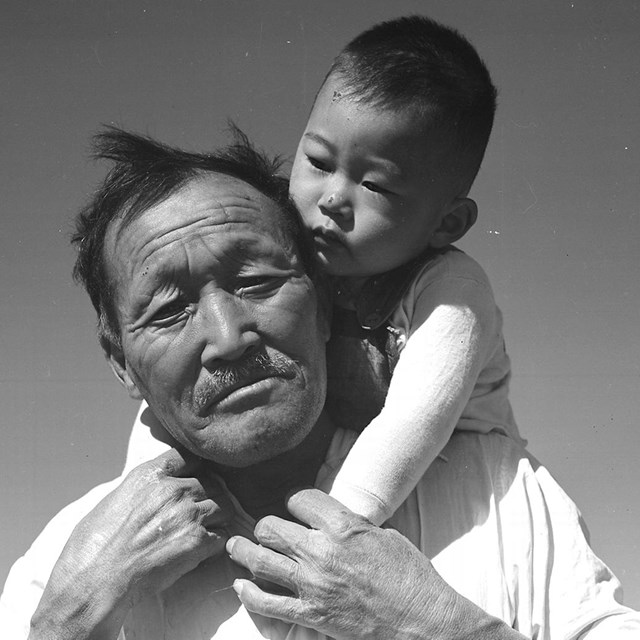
(169, 314)
(258, 285)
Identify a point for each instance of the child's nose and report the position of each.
(335, 203)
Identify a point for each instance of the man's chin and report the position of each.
(250, 428)
(241, 458)
(241, 445)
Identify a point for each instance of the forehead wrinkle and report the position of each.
(184, 201)
(153, 273)
(182, 233)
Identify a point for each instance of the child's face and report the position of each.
(371, 184)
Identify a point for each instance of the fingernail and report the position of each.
(230, 544)
(237, 587)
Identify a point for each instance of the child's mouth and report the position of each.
(324, 237)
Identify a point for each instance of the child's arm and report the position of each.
(454, 325)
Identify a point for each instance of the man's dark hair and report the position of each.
(414, 63)
(144, 174)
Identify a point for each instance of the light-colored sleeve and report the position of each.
(30, 573)
(453, 326)
(561, 584)
(502, 532)
(622, 626)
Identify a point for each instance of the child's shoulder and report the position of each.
(452, 279)
(451, 264)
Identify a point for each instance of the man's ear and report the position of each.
(461, 216)
(114, 355)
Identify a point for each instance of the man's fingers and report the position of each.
(213, 489)
(187, 470)
(214, 514)
(282, 535)
(320, 511)
(254, 599)
(215, 544)
(178, 464)
(263, 563)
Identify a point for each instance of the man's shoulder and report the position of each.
(36, 564)
(69, 516)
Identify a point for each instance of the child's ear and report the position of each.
(113, 353)
(461, 216)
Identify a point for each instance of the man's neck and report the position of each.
(261, 489)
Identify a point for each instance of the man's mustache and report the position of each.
(250, 368)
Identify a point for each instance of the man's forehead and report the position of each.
(210, 201)
(221, 197)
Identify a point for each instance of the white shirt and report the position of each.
(495, 524)
(453, 372)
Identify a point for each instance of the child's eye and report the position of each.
(376, 188)
(318, 164)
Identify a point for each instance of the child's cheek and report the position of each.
(305, 204)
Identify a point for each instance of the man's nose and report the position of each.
(227, 329)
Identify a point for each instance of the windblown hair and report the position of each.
(414, 63)
(144, 174)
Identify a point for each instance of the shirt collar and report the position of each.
(381, 294)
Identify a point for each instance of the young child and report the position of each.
(381, 175)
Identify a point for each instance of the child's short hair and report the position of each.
(415, 63)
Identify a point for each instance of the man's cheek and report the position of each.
(141, 346)
(153, 348)
(297, 302)
(156, 370)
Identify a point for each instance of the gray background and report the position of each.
(558, 231)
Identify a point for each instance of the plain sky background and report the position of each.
(558, 232)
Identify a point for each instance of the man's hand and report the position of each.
(350, 579)
(159, 524)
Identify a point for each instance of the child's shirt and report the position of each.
(433, 330)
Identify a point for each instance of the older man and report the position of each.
(204, 288)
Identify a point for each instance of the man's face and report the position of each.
(219, 323)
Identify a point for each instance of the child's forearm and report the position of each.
(431, 386)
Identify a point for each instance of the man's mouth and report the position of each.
(229, 389)
(252, 376)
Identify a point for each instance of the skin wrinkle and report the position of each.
(202, 285)
(225, 206)
(233, 263)
(244, 244)
(202, 224)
